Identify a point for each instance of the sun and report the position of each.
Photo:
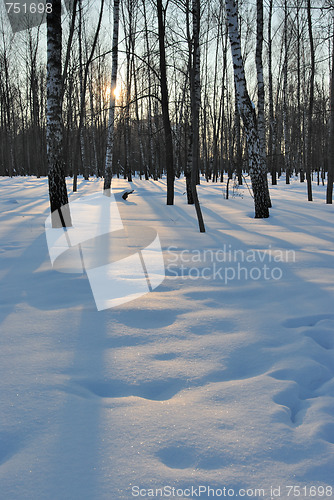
(117, 92)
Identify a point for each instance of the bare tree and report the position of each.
(113, 84)
(272, 121)
(310, 106)
(82, 114)
(151, 166)
(7, 107)
(54, 137)
(195, 94)
(260, 81)
(300, 166)
(247, 112)
(189, 139)
(329, 196)
(260, 93)
(161, 11)
(287, 158)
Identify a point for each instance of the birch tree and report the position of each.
(57, 185)
(161, 11)
(285, 91)
(6, 107)
(151, 166)
(129, 27)
(329, 195)
(247, 112)
(195, 94)
(260, 93)
(83, 95)
(189, 160)
(260, 81)
(300, 165)
(310, 106)
(113, 84)
(272, 124)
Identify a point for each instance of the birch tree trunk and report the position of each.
(164, 104)
(129, 25)
(329, 194)
(93, 140)
(224, 113)
(247, 113)
(260, 94)
(142, 162)
(216, 112)
(310, 108)
(195, 91)
(260, 81)
(111, 121)
(189, 160)
(54, 137)
(77, 148)
(300, 167)
(285, 105)
(238, 148)
(272, 124)
(83, 96)
(151, 166)
(7, 114)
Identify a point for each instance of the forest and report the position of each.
(286, 50)
(140, 357)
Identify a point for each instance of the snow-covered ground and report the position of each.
(219, 381)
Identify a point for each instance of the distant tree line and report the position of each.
(294, 94)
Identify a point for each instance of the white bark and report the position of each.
(260, 83)
(272, 123)
(195, 89)
(247, 113)
(310, 108)
(169, 147)
(151, 166)
(260, 95)
(329, 196)
(54, 136)
(285, 105)
(111, 121)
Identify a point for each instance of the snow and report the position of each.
(222, 377)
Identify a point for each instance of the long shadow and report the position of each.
(43, 289)
(78, 449)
